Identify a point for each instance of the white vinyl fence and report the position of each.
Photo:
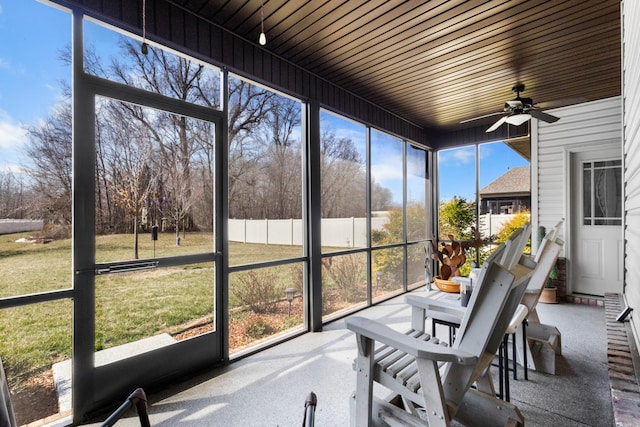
(8, 226)
(336, 232)
(491, 224)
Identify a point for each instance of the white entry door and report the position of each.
(596, 222)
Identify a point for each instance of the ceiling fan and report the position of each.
(520, 110)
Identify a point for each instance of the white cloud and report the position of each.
(4, 63)
(12, 135)
(385, 172)
(458, 156)
(13, 168)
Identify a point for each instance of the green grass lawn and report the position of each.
(129, 306)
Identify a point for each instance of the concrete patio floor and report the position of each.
(269, 388)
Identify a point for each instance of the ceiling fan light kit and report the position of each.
(518, 119)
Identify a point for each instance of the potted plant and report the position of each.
(452, 256)
(548, 294)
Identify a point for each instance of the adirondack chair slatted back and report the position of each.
(545, 260)
(552, 236)
(495, 256)
(514, 246)
(483, 326)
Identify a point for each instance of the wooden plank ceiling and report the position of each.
(437, 63)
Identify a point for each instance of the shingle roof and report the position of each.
(515, 181)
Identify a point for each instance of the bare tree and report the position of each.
(282, 160)
(248, 109)
(49, 150)
(129, 169)
(343, 177)
(180, 143)
(13, 196)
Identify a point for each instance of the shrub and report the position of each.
(348, 275)
(257, 290)
(516, 222)
(260, 328)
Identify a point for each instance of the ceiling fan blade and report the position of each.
(482, 117)
(543, 116)
(560, 102)
(497, 124)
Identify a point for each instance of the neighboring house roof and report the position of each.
(516, 181)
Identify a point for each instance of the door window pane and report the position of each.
(168, 304)
(154, 186)
(602, 193)
(154, 199)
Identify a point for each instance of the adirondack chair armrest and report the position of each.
(434, 306)
(423, 308)
(420, 349)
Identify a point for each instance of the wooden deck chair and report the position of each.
(432, 384)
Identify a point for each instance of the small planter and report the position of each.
(446, 285)
(548, 296)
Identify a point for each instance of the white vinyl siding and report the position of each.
(631, 160)
(586, 126)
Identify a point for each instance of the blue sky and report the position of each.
(457, 168)
(31, 71)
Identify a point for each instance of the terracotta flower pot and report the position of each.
(548, 296)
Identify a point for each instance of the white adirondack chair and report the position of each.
(546, 339)
(515, 245)
(432, 384)
(544, 259)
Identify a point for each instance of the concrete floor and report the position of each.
(269, 388)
